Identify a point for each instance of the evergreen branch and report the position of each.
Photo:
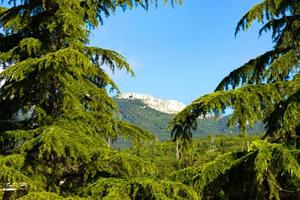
(267, 68)
(267, 9)
(250, 104)
(125, 165)
(139, 188)
(252, 72)
(271, 162)
(48, 196)
(11, 172)
(284, 67)
(262, 166)
(134, 133)
(3, 9)
(283, 122)
(285, 162)
(29, 47)
(221, 165)
(206, 174)
(279, 26)
(111, 58)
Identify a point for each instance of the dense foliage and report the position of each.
(266, 88)
(57, 121)
(56, 118)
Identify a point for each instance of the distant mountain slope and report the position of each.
(138, 113)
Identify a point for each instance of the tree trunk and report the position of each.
(177, 150)
(109, 142)
(248, 145)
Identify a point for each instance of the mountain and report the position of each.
(162, 105)
(136, 109)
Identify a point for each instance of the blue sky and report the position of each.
(183, 52)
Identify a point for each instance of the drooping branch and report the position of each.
(250, 104)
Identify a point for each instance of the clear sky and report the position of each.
(183, 52)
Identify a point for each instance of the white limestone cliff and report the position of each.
(162, 105)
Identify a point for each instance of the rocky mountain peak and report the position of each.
(162, 105)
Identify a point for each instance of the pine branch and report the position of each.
(140, 188)
(251, 103)
(283, 122)
(267, 10)
(48, 196)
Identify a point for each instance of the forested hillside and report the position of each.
(136, 112)
(202, 150)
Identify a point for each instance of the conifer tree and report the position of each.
(55, 113)
(265, 88)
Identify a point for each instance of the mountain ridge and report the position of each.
(136, 112)
(159, 104)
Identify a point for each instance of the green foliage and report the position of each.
(56, 117)
(57, 120)
(266, 88)
(246, 102)
(11, 172)
(140, 189)
(161, 155)
(47, 196)
(127, 165)
(201, 151)
(264, 83)
(267, 169)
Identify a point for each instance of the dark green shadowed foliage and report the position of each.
(265, 88)
(57, 120)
